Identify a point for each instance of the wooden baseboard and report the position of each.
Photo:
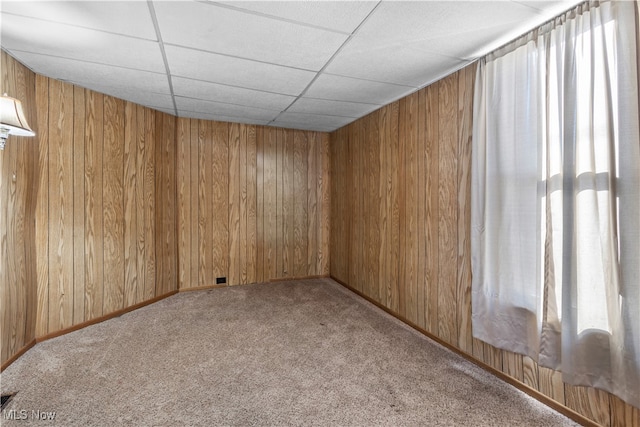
(15, 357)
(103, 318)
(568, 412)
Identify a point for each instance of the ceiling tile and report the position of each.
(331, 108)
(148, 99)
(131, 18)
(88, 74)
(218, 108)
(231, 32)
(230, 94)
(315, 120)
(303, 126)
(413, 22)
(339, 88)
(65, 41)
(236, 72)
(342, 16)
(402, 63)
(222, 118)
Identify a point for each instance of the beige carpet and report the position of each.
(286, 353)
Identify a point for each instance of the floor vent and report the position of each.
(6, 398)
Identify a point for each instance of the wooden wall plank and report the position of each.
(139, 202)
(150, 204)
(393, 266)
(205, 217)
(271, 224)
(463, 291)
(590, 402)
(411, 207)
(171, 218)
(374, 250)
(279, 217)
(42, 206)
(220, 198)
(130, 222)
(287, 204)
(260, 195)
(194, 207)
(234, 203)
(402, 208)
(251, 205)
(93, 178)
(112, 193)
(423, 160)
(160, 197)
(432, 216)
(623, 414)
(324, 204)
(242, 206)
(60, 205)
(384, 197)
(79, 291)
(448, 209)
(354, 204)
(300, 215)
(183, 141)
(313, 224)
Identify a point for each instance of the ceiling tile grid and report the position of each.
(311, 65)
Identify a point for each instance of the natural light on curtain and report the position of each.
(556, 198)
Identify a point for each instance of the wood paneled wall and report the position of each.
(105, 213)
(253, 203)
(400, 230)
(18, 189)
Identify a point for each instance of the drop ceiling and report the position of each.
(314, 65)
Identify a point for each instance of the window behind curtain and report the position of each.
(556, 196)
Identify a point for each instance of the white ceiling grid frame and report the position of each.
(318, 65)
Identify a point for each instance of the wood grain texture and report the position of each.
(421, 205)
(432, 213)
(270, 155)
(300, 214)
(42, 206)
(447, 209)
(60, 205)
(78, 204)
(183, 142)
(253, 187)
(112, 197)
(19, 181)
(234, 203)
(94, 240)
(463, 291)
(251, 205)
(194, 207)
(220, 197)
(130, 204)
(324, 191)
(149, 204)
(312, 226)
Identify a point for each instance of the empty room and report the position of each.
(331, 213)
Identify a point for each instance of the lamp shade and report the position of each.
(12, 117)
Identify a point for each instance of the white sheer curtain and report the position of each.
(556, 198)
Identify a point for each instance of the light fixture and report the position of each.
(12, 120)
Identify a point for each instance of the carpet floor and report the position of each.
(284, 353)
